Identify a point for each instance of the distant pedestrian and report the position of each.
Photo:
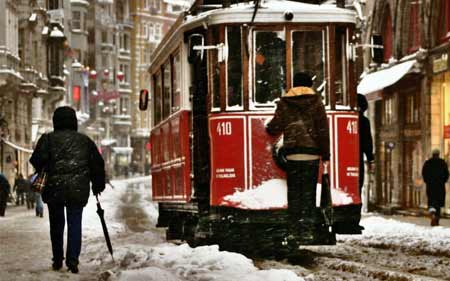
(300, 116)
(20, 189)
(72, 161)
(435, 174)
(365, 148)
(29, 193)
(5, 189)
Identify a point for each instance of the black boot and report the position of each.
(57, 265)
(72, 266)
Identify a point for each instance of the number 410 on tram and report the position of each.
(216, 77)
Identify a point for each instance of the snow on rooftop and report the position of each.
(32, 17)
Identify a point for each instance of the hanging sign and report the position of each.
(446, 131)
(440, 63)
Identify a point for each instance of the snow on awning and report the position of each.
(18, 147)
(32, 17)
(45, 30)
(56, 33)
(379, 80)
(122, 150)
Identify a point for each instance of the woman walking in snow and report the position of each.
(72, 161)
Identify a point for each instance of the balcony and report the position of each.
(9, 68)
(56, 16)
(31, 77)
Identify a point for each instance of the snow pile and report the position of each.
(270, 194)
(393, 234)
(171, 262)
(339, 197)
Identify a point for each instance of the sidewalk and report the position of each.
(411, 218)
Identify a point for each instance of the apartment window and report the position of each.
(414, 26)
(144, 30)
(151, 32)
(124, 105)
(387, 34)
(157, 5)
(158, 32)
(53, 4)
(124, 42)
(104, 37)
(105, 63)
(76, 20)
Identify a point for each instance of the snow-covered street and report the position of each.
(391, 248)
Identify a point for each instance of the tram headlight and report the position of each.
(288, 15)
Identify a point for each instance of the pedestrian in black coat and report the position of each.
(73, 162)
(435, 174)
(365, 140)
(5, 188)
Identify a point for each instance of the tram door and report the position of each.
(199, 125)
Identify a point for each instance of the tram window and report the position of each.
(234, 67)
(158, 98)
(341, 67)
(215, 71)
(308, 55)
(176, 94)
(269, 60)
(167, 90)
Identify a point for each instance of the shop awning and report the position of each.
(381, 79)
(18, 147)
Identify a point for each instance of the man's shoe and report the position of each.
(72, 266)
(57, 265)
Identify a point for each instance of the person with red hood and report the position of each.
(72, 161)
(300, 116)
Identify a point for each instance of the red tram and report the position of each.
(215, 80)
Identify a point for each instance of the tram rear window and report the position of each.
(269, 62)
(167, 84)
(234, 67)
(308, 55)
(341, 67)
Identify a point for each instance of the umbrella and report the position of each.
(101, 213)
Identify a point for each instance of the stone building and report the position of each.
(407, 89)
(152, 20)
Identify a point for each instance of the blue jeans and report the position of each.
(57, 223)
(39, 204)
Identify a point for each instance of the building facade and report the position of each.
(406, 87)
(152, 20)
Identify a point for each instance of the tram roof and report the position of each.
(269, 12)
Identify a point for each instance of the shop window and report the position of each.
(176, 93)
(234, 67)
(387, 34)
(388, 111)
(167, 86)
(157, 110)
(412, 109)
(269, 61)
(308, 55)
(414, 26)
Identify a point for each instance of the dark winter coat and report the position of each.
(301, 117)
(74, 161)
(5, 188)
(365, 145)
(435, 174)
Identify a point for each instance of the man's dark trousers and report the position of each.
(57, 222)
